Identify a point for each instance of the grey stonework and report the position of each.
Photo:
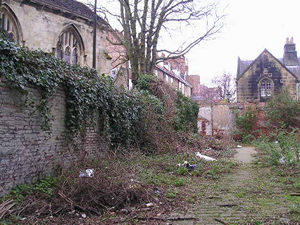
(28, 153)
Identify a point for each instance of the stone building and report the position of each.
(63, 27)
(260, 79)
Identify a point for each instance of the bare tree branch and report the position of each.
(144, 20)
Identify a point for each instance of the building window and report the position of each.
(9, 23)
(266, 88)
(69, 46)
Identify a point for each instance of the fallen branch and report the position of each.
(220, 221)
(227, 205)
(5, 207)
(166, 218)
(70, 201)
(294, 194)
(73, 205)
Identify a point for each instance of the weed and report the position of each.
(258, 223)
(241, 194)
(150, 177)
(182, 171)
(285, 150)
(45, 186)
(172, 193)
(190, 200)
(179, 182)
(296, 185)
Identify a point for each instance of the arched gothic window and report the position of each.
(69, 46)
(266, 88)
(10, 24)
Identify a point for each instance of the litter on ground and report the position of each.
(87, 173)
(207, 158)
(188, 165)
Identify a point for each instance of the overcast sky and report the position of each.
(250, 27)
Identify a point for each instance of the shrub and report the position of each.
(186, 116)
(144, 81)
(182, 110)
(244, 124)
(285, 149)
(283, 110)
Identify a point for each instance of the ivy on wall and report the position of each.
(121, 112)
(124, 116)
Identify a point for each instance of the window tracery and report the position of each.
(9, 24)
(68, 47)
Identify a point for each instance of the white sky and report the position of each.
(250, 27)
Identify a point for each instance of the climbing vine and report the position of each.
(86, 92)
(124, 117)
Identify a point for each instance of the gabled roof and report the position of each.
(72, 6)
(172, 74)
(244, 65)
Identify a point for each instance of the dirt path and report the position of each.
(248, 195)
(245, 154)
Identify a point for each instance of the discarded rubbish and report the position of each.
(207, 158)
(239, 146)
(282, 160)
(149, 205)
(87, 173)
(208, 149)
(188, 166)
(83, 215)
(158, 191)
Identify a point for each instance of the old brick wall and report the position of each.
(26, 151)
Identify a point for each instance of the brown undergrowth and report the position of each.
(122, 185)
(127, 179)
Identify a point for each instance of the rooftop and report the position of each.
(71, 6)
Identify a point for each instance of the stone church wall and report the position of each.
(26, 151)
(41, 29)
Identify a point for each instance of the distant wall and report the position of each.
(28, 153)
(216, 119)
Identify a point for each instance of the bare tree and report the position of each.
(143, 22)
(226, 84)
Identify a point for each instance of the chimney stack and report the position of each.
(290, 54)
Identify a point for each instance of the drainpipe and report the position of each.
(212, 119)
(297, 91)
(0, 15)
(95, 35)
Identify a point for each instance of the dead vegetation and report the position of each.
(141, 183)
(132, 185)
